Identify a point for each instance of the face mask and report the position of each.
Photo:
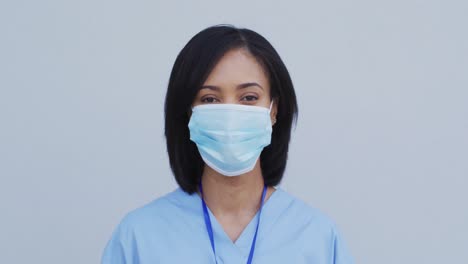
(230, 137)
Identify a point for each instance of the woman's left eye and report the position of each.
(249, 98)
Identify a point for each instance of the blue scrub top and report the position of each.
(171, 229)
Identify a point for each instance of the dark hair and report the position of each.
(191, 68)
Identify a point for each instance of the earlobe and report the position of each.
(274, 111)
(189, 111)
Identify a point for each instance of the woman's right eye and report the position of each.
(209, 100)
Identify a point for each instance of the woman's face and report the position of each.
(237, 79)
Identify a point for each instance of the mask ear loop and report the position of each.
(271, 104)
(269, 111)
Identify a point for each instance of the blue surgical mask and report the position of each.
(230, 137)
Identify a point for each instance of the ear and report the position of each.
(274, 111)
(189, 111)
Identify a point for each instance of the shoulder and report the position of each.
(148, 227)
(307, 215)
(315, 230)
(158, 212)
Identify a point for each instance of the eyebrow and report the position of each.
(240, 86)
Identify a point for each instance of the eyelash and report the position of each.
(204, 100)
(250, 96)
(251, 99)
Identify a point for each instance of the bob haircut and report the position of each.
(191, 69)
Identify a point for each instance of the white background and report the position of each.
(381, 144)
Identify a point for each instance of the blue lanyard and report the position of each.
(209, 228)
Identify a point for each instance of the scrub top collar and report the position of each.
(273, 208)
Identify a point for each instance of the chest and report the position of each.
(195, 248)
(234, 226)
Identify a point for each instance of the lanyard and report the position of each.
(209, 228)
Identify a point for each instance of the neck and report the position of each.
(233, 195)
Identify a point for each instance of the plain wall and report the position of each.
(381, 144)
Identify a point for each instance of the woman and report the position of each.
(229, 109)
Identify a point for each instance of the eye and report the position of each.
(209, 99)
(249, 98)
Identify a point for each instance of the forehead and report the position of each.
(235, 67)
